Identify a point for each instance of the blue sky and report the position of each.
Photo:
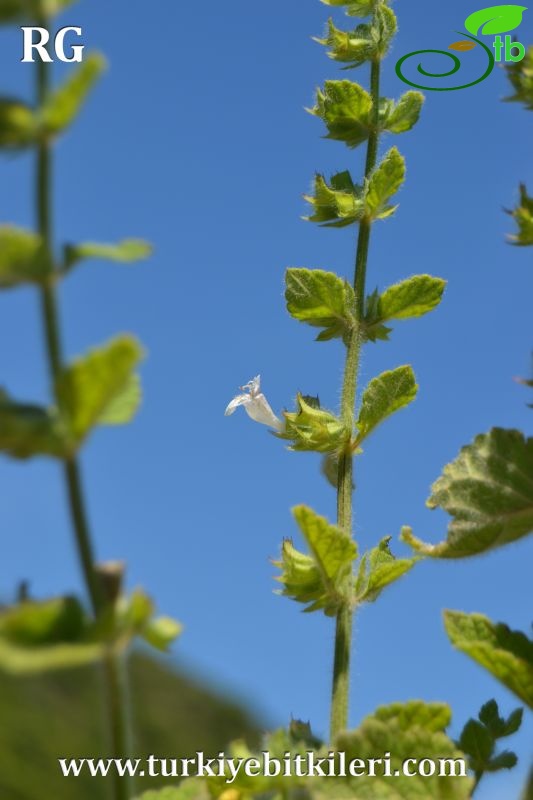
(197, 140)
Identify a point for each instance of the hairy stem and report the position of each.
(343, 634)
(114, 676)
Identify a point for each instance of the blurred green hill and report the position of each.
(58, 715)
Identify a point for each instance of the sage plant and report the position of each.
(100, 388)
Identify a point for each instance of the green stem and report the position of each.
(117, 705)
(343, 635)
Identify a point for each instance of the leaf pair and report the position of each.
(99, 389)
(341, 202)
(346, 109)
(22, 127)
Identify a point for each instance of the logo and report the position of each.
(492, 21)
(39, 44)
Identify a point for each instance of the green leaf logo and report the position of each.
(495, 19)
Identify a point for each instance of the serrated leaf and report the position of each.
(124, 252)
(385, 181)
(345, 109)
(22, 257)
(18, 124)
(383, 396)
(488, 491)
(523, 216)
(506, 654)
(18, 10)
(377, 570)
(319, 580)
(417, 732)
(366, 42)
(403, 115)
(477, 743)
(520, 74)
(98, 388)
(495, 19)
(321, 299)
(354, 8)
(28, 430)
(311, 428)
(336, 204)
(408, 299)
(64, 103)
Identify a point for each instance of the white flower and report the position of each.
(255, 404)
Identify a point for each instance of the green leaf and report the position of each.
(98, 388)
(49, 635)
(345, 109)
(133, 615)
(495, 19)
(411, 298)
(18, 124)
(29, 430)
(506, 654)
(311, 428)
(520, 74)
(497, 725)
(403, 115)
(354, 8)
(12, 11)
(414, 731)
(488, 491)
(337, 204)
(477, 743)
(384, 395)
(64, 104)
(377, 570)
(321, 299)
(319, 580)
(523, 216)
(366, 42)
(193, 789)
(161, 632)
(383, 184)
(125, 252)
(504, 760)
(22, 257)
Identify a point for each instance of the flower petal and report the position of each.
(240, 400)
(259, 410)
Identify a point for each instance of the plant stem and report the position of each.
(114, 675)
(343, 634)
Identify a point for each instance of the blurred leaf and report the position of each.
(12, 11)
(477, 743)
(523, 216)
(311, 428)
(383, 396)
(125, 252)
(410, 730)
(64, 103)
(478, 739)
(377, 570)
(161, 632)
(49, 635)
(338, 203)
(98, 388)
(18, 124)
(321, 299)
(28, 430)
(411, 298)
(495, 19)
(134, 616)
(520, 74)
(383, 184)
(506, 654)
(345, 109)
(318, 580)
(488, 491)
(22, 257)
(403, 115)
